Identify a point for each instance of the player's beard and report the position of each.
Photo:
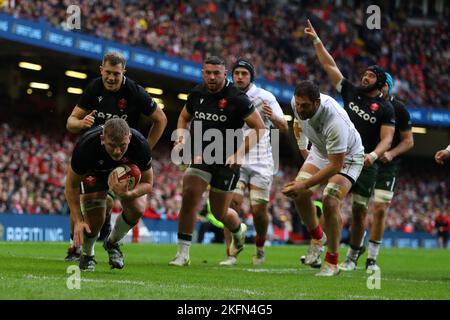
(367, 89)
(215, 86)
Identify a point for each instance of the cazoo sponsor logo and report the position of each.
(361, 113)
(210, 116)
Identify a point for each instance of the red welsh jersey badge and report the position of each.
(90, 181)
(222, 104)
(122, 104)
(374, 107)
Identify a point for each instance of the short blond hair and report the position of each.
(116, 129)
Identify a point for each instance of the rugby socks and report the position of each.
(259, 241)
(184, 244)
(353, 253)
(89, 243)
(317, 233)
(332, 258)
(237, 233)
(121, 228)
(374, 249)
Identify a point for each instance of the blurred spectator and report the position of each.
(414, 51)
(442, 224)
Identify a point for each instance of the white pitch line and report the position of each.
(282, 270)
(175, 288)
(417, 281)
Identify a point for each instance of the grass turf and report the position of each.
(37, 271)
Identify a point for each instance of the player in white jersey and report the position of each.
(258, 169)
(336, 159)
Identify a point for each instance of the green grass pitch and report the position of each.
(37, 271)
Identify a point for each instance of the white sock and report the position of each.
(237, 233)
(88, 246)
(120, 230)
(374, 249)
(353, 254)
(183, 247)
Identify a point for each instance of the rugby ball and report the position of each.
(129, 172)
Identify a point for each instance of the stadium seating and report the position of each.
(264, 31)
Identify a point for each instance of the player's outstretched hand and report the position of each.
(441, 155)
(309, 30)
(78, 233)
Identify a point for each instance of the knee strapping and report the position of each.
(259, 197)
(360, 200)
(383, 196)
(88, 205)
(240, 187)
(334, 190)
(303, 175)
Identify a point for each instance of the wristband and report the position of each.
(317, 40)
(302, 142)
(373, 155)
(448, 148)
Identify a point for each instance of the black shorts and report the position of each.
(97, 183)
(218, 176)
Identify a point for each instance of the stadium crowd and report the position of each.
(33, 165)
(416, 54)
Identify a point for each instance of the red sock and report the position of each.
(332, 258)
(260, 241)
(228, 252)
(317, 233)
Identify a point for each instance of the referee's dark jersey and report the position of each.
(89, 156)
(128, 103)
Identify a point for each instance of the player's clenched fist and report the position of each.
(88, 121)
(441, 155)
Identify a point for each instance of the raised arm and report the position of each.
(326, 60)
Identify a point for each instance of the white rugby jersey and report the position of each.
(261, 153)
(330, 130)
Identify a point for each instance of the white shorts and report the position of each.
(258, 176)
(351, 169)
